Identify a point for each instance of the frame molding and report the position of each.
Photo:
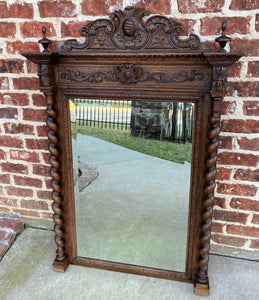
(122, 58)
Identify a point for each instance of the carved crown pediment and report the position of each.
(126, 30)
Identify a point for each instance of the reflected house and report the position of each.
(150, 120)
(162, 120)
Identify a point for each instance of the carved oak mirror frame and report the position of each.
(124, 57)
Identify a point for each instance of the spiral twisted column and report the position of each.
(55, 182)
(202, 281)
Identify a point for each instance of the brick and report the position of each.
(257, 22)
(246, 174)
(99, 7)
(44, 195)
(72, 29)
(39, 100)
(243, 89)
(50, 8)
(217, 227)
(7, 29)
(20, 47)
(251, 108)
(27, 213)
(36, 115)
(21, 192)
(244, 4)
(223, 174)
(236, 189)
(249, 47)
(213, 46)
(2, 154)
(34, 29)
(243, 230)
(3, 249)
(32, 204)
(19, 128)
(24, 155)
(225, 142)
(155, 6)
(240, 126)
(41, 170)
(230, 216)
(248, 144)
(27, 181)
(16, 10)
(11, 66)
(235, 69)
(14, 99)
(8, 113)
(5, 178)
(4, 83)
(5, 210)
(25, 83)
(254, 244)
(37, 144)
(228, 107)
(220, 202)
(228, 240)
(253, 69)
(13, 223)
(227, 158)
(42, 130)
(13, 142)
(255, 219)
(6, 236)
(31, 67)
(212, 26)
(47, 216)
(244, 204)
(187, 24)
(14, 168)
(8, 202)
(190, 6)
(48, 183)
(46, 157)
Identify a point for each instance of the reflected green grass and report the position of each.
(162, 149)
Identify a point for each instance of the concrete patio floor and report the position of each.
(26, 273)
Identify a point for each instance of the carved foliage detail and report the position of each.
(126, 30)
(43, 73)
(219, 83)
(130, 74)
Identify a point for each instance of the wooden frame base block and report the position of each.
(60, 266)
(201, 289)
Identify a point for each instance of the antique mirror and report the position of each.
(133, 111)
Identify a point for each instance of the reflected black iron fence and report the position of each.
(117, 115)
(111, 114)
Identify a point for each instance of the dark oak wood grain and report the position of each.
(125, 58)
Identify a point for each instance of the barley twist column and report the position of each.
(54, 172)
(214, 121)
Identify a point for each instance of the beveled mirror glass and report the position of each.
(132, 170)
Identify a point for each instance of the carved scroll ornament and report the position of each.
(130, 74)
(126, 30)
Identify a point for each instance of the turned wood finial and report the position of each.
(44, 41)
(223, 39)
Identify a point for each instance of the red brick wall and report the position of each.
(24, 180)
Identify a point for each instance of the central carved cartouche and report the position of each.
(129, 27)
(126, 30)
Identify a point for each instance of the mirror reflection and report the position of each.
(132, 165)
